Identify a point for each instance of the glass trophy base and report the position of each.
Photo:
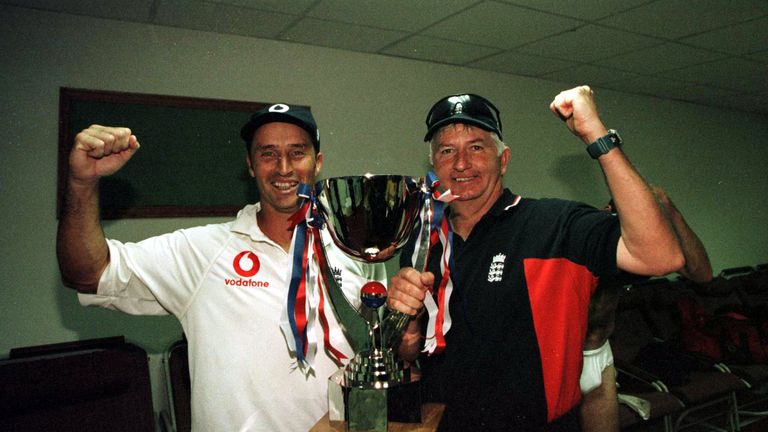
(366, 409)
(362, 409)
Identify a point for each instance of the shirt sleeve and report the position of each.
(155, 276)
(120, 290)
(588, 236)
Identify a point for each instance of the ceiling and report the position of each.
(710, 52)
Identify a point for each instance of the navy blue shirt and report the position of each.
(522, 281)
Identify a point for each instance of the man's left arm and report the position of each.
(648, 244)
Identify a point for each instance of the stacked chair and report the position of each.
(85, 386)
(179, 416)
(670, 350)
(736, 303)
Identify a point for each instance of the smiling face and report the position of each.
(467, 160)
(281, 157)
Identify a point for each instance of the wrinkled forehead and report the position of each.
(459, 129)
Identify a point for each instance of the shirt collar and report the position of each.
(246, 223)
(506, 201)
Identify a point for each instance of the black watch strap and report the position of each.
(604, 144)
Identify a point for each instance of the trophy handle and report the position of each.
(395, 322)
(354, 325)
(393, 325)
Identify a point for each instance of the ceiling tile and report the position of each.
(221, 18)
(589, 43)
(128, 10)
(743, 102)
(731, 73)
(588, 74)
(500, 25)
(520, 64)
(736, 39)
(294, 7)
(663, 88)
(340, 35)
(439, 50)
(662, 57)
(405, 15)
(582, 9)
(677, 18)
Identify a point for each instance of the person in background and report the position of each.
(226, 283)
(599, 409)
(506, 344)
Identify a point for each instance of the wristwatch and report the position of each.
(604, 144)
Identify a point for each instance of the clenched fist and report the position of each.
(100, 151)
(577, 108)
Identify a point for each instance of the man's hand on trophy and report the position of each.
(407, 290)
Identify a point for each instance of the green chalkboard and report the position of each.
(191, 161)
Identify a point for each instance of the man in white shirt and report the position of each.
(226, 283)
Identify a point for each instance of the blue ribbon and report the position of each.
(304, 191)
(437, 206)
(293, 289)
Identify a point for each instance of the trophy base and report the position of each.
(401, 402)
(365, 408)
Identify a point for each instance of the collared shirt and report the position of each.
(522, 281)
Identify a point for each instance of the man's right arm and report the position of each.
(81, 247)
(406, 293)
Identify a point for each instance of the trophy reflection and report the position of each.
(370, 218)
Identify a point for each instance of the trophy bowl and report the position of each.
(369, 217)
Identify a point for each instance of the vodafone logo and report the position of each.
(243, 267)
(246, 264)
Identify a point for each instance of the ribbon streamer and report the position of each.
(305, 302)
(437, 303)
(439, 314)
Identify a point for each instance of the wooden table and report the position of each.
(430, 418)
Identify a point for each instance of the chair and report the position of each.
(643, 405)
(85, 386)
(708, 389)
(176, 360)
(646, 348)
(742, 290)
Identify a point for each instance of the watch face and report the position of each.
(614, 137)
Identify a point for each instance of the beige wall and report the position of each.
(370, 109)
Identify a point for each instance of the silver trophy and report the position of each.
(370, 218)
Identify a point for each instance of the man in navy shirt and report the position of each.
(511, 278)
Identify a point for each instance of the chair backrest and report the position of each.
(179, 388)
(83, 386)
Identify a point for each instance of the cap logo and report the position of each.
(279, 108)
(458, 108)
